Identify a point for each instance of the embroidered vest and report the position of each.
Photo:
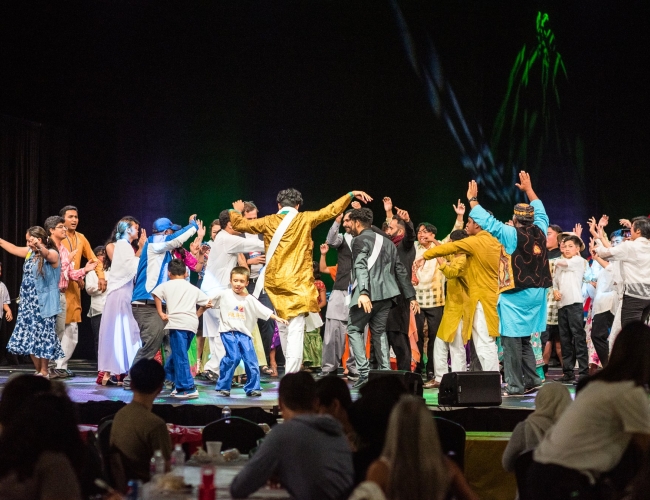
(529, 262)
(344, 267)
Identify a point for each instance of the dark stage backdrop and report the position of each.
(155, 108)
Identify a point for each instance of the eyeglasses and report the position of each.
(60, 227)
(424, 231)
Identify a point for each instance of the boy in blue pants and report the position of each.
(238, 315)
(182, 317)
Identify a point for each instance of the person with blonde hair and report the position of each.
(412, 464)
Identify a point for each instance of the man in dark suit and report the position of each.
(378, 278)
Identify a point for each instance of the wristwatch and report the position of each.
(473, 198)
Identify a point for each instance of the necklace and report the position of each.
(70, 242)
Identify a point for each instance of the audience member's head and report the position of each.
(297, 394)
(147, 377)
(629, 360)
(417, 466)
(550, 403)
(19, 390)
(334, 398)
(45, 422)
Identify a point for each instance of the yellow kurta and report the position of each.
(73, 293)
(289, 279)
(483, 254)
(458, 305)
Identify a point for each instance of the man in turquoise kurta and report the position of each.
(524, 278)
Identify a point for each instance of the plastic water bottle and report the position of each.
(178, 456)
(157, 466)
(225, 412)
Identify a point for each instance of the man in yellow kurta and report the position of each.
(483, 253)
(451, 337)
(288, 278)
(74, 241)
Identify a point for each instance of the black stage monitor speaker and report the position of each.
(413, 381)
(470, 389)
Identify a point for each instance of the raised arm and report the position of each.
(458, 223)
(322, 264)
(243, 225)
(619, 252)
(409, 231)
(461, 246)
(176, 240)
(334, 238)
(388, 208)
(507, 235)
(335, 208)
(13, 249)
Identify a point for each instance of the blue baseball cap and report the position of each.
(163, 224)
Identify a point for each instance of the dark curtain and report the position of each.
(33, 165)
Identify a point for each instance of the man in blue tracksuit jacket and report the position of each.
(152, 271)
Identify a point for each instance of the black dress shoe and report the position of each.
(566, 378)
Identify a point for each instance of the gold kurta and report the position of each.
(483, 254)
(457, 306)
(289, 279)
(73, 292)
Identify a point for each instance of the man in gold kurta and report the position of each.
(483, 255)
(74, 241)
(289, 277)
(451, 337)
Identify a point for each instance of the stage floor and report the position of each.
(82, 389)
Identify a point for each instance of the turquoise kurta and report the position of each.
(521, 312)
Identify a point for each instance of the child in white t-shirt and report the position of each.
(567, 289)
(238, 315)
(182, 317)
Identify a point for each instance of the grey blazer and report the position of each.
(388, 276)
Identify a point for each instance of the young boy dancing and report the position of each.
(182, 319)
(238, 315)
(570, 272)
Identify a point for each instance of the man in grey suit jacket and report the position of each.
(378, 277)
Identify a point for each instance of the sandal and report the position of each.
(266, 370)
(106, 378)
(274, 371)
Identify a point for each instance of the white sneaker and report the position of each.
(187, 394)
